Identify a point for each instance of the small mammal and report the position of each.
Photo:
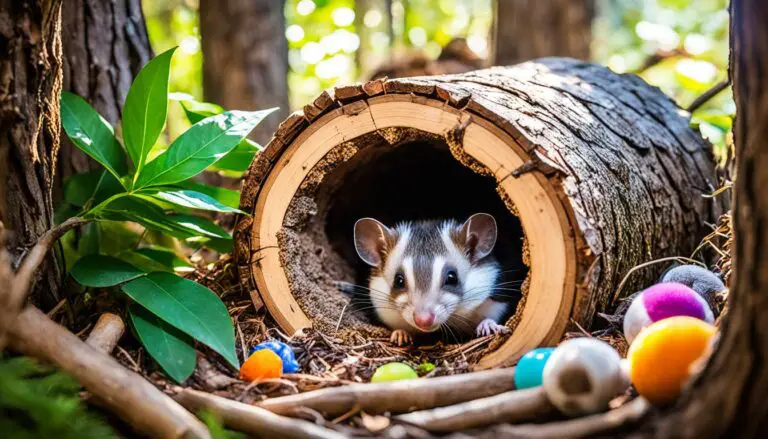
(430, 274)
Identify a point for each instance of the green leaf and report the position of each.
(189, 307)
(200, 146)
(173, 350)
(101, 271)
(193, 200)
(181, 226)
(239, 159)
(90, 188)
(167, 257)
(146, 108)
(143, 263)
(227, 197)
(91, 133)
(222, 246)
(142, 212)
(197, 111)
(199, 226)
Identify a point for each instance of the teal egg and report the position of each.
(530, 368)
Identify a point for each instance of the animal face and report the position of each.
(424, 272)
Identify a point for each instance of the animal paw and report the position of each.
(400, 337)
(488, 327)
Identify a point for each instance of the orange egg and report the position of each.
(260, 365)
(661, 356)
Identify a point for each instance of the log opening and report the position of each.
(413, 178)
(601, 169)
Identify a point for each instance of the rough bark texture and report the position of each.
(105, 45)
(528, 29)
(30, 85)
(728, 398)
(245, 57)
(627, 167)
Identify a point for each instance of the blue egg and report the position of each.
(285, 352)
(530, 368)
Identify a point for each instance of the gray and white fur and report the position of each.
(430, 274)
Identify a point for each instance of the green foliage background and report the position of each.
(690, 35)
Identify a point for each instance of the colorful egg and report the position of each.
(583, 375)
(530, 369)
(699, 279)
(662, 301)
(260, 365)
(393, 372)
(285, 352)
(661, 357)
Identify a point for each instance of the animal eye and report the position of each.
(399, 281)
(451, 278)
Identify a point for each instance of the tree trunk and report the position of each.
(368, 55)
(528, 29)
(30, 86)
(245, 57)
(105, 45)
(728, 398)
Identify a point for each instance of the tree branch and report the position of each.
(397, 397)
(106, 333)
(512, 407)
(125, 393)
(25, 274)
(709, 94)
(252, 420)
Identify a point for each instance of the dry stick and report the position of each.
(125, 393)
(26, 272)
(709, 94)
(253, 420)
(512, 407)
(586, 426)
(397, 397)
(106, 333)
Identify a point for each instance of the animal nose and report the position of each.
(424, 319)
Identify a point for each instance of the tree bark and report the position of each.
(728, 398)
(30, 86)
(105, 46)
(245, 57)
(528, 29)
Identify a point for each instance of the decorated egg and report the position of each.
(285, 352)
(662, 301)
(661, 357)
(699, 279)
(530, 369)
(260, 365)
(583, 375)
(393, 372)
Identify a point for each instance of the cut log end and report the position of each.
(588, 173)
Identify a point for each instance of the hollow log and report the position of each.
(602, 171)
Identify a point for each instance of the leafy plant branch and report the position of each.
(152, 188)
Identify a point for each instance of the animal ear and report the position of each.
(372, 241)
(479, 233)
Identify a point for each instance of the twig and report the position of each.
(709, 94)
(106, 333)
(253, 420)
(514, 406)
(125, 393)
(397, 397)
(647, 264)
(26, 272)
(586, 426)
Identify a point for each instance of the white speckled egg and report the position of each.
(583, 375)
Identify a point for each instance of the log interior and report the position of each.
(416, 178)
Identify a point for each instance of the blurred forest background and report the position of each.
(263, 53)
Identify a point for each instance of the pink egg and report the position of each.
(661, 301)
